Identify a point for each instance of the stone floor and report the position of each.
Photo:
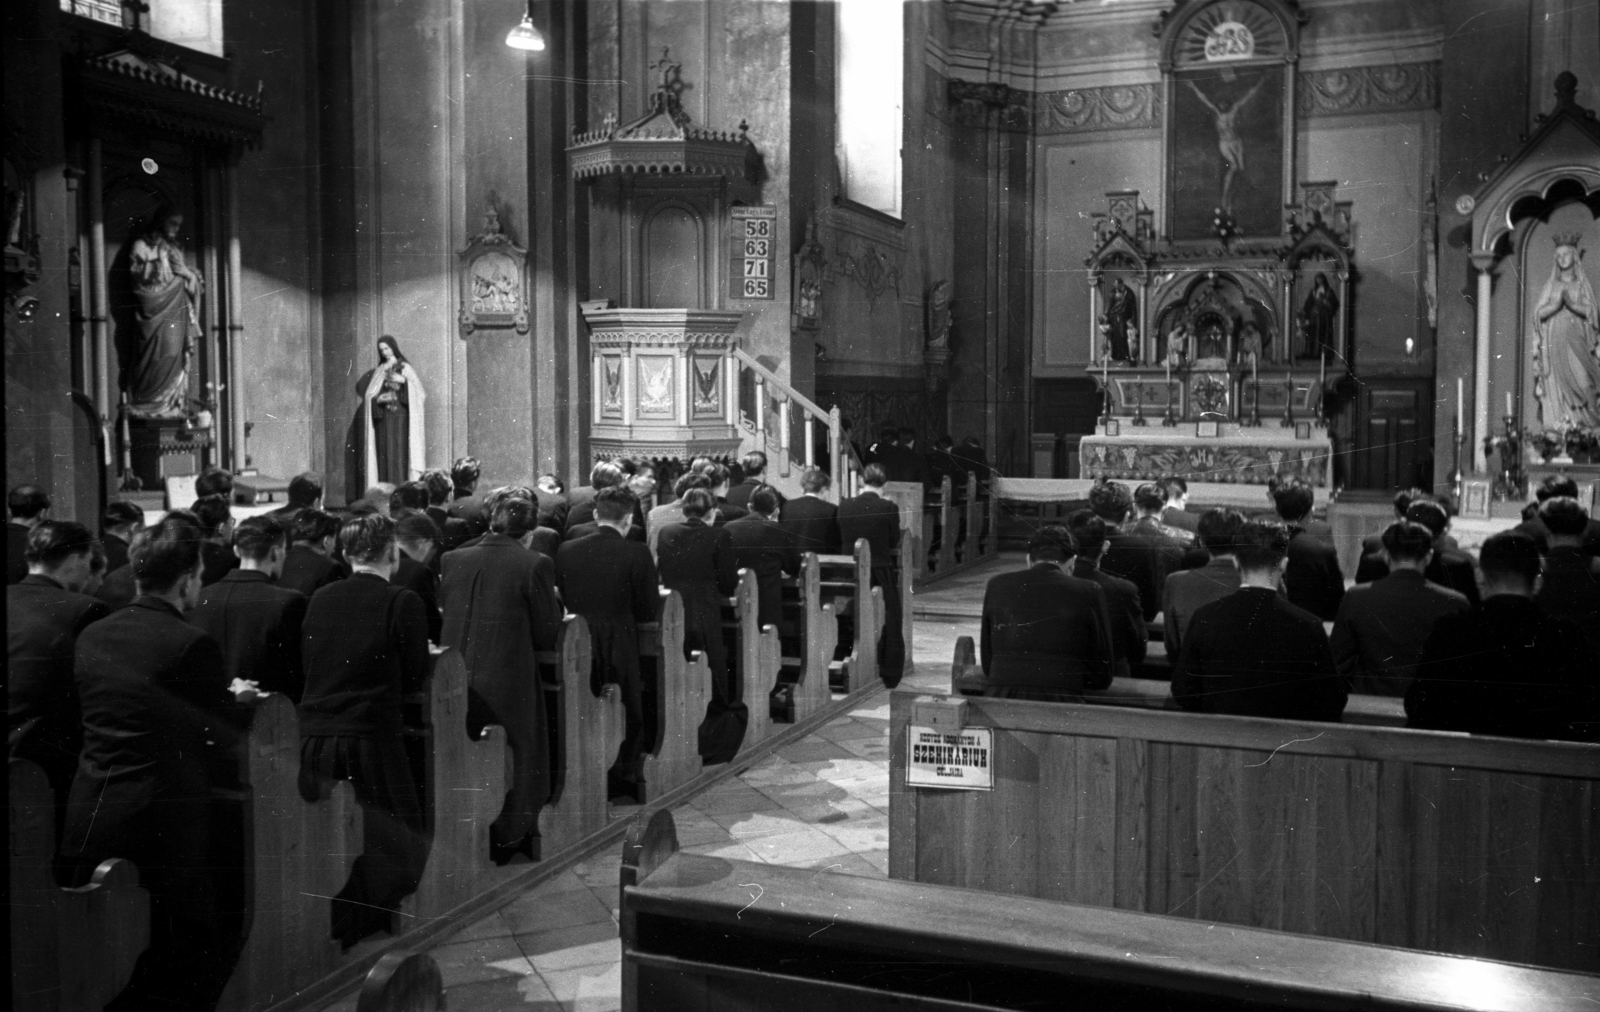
(821, 802)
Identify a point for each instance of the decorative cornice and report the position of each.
(1353, 90)
(1116, 107)
(126, 86)
(989, 103)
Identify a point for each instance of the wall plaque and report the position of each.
(753, 245)
(493, 289)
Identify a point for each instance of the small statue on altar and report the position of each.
(1317, 319)
(1177, 346)
(1121, 321)
(1250, 349)
(1133, 343)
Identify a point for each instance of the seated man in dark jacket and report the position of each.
(1559, 486)
(309, 564)
(1382, 625)
(1143, 557)
(1312, 578)
(1128, 633)
(365, 650)
(1571, 585)
(255, 621)
(158, 727)
(418, 537)
(766, 549)
(611, 582)
(1372, 547)
(813, 520)
(873, 518)
(1187, 591)
(120, 521)
(1448, 567)
(1506, 668)
(1253, 653)
(754, 465)
(1046, 635)
(45, 614)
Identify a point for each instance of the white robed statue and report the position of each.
(392, 409)
(1566, 350)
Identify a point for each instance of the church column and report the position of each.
(1484, 265)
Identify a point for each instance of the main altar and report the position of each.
(1220, 345)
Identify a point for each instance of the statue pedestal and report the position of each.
(664, 383)
(162, 448)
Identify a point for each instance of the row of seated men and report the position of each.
(896, 452)
(137, 713)
(1520, 656)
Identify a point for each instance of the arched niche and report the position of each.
(673, 257)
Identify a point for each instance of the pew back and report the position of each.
(850, 576)
(755, 657)
(702, 933)
(819, 638)
(1430, 840)
(683, 686)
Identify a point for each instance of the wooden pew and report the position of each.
(684, 686)
(402, 982)
(1430, 840)
(755, 658)
(299, 854)
(70, 948)
(850, 576)
(966, 679)
(589, 732)
(462, 793)
(916, 517)
(819, 638)
(961, 549)
(703, 933)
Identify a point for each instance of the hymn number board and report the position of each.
(754, 242)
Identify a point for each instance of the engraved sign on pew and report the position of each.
(299, 855)
(70, 948)
(589, 732)
(941, 751)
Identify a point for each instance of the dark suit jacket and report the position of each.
(814, 522)
(695, 556)
(216, 561)
(1536, 529)
(1186, 592)
(903, 463)
(257, 624)
(1143, 556)
(769, 551)
(1313, 580)
(365, 648)
(43, 622)
(1181, 519)
(1045, 635)
(1128, 631)
(421, 581)
(582, 512)
(468, 508)
(1571, 590)
(1382, 627)
(116, 552)
(739, 495)
(16, 547)
(1505, 668)
(1450, 568)
(452, 531)
(308, 572)
(871, 516)
(118, 589)
(727, 512)
(1255, 654)
(611, 582)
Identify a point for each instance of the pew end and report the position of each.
(402, 981)
(683, 684)
(590, 733)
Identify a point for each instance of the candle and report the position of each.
(1322, 375)
(1508, 404)
(1254, 360)
(1461, 406)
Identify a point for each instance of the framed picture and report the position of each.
(1208, 430)
(1113, 427)
(1302, 430)
(1475, 499)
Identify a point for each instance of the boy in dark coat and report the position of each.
(1046, 634)
(813, 520)
(256, 622)
(875, 518)
(766, 549)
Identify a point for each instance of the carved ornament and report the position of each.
(494, 287)
(1353, 90)
(1119, 107)
(873, 270)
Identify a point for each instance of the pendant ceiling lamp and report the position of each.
(525, 36)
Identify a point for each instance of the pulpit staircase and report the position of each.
(793, 431)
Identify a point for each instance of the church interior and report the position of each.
(1048, 247)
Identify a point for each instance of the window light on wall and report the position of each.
(871, 86)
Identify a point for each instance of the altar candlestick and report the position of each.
(1254, 361)
(1322, 375)
(1508, 403)
(1461, 405)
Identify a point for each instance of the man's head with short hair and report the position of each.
(907, 436)
(697, 502)
(412, 495)
(166, 557)
(368, 540)
(1175, 489)
(121, 517)
(1217, 529)
(1566, 520)
(1404, 498)
(614, 506)
(874, 476)
(1260, 546)
(312, 527)
(416, 534)
(1051, 543)
(1149, 499)
(377, 497)
(1407, 542)
(1562, 485)
(719, 475)
(605, 474)
(754, 464)
(550, 484)
(1510, 563)
(61, 550)
(1430, 515)
(764, 500)
(256, 537)
(465, 472)
(214, 481)
(888, 434)
(27, 502)
(514, 516)
(689, 480)
(439, 486)
(305, 489)
(496, 496)
(213, 513)
(1111, 501)
(1089, 532)
(1293, 499)
(815, 481)
(944, 442)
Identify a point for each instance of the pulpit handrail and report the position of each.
(788, 391)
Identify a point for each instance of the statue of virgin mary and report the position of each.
(1566, 350)
(392, 401)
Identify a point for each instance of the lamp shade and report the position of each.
(525, 36)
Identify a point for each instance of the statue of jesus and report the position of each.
(1229, 143)
(165, 290)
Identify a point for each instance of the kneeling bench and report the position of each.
(705, 933)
